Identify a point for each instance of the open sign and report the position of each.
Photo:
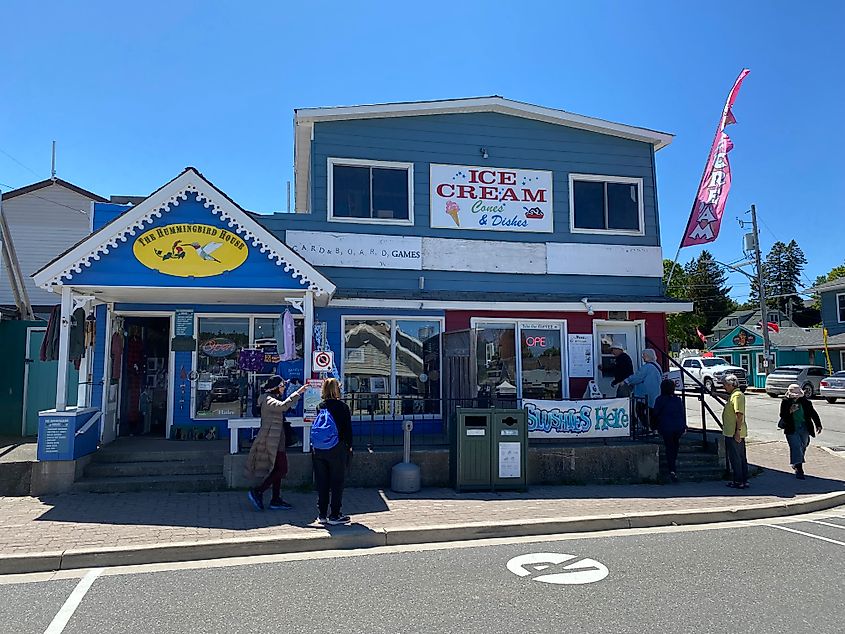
(535, 342)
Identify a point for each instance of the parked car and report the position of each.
(224, 391)
(809, 377)
(833, 387)
(711, 370)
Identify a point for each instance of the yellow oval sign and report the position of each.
(188, 250)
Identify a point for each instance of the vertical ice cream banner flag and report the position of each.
(706, 216)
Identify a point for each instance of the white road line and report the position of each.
(60, 621)
(827, 524)
(792, 530)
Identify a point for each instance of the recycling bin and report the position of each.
(509, 449)
(470, 455)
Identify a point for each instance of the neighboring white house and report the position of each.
(44, 219)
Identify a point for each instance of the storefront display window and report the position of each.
(392, 366)
(535, 373)
(235, 356)
(541, 363)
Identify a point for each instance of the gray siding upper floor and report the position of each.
(511, 142)
(830, 312)
(43, 224)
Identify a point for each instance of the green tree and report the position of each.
(782, 271)
(704, 282)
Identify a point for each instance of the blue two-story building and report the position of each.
(476, 249)
(832, 297)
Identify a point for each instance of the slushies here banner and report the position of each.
(706, 217)
(597, 418)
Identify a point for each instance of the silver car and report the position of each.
(809, 377)
(833, 387)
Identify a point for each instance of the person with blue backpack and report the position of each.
(331, 450)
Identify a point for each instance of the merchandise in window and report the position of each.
(606, 205)
(231, 369)
(370, 192)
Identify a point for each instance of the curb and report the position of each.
(361, 537)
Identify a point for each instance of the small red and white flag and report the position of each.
(700, 335)
(773, 327)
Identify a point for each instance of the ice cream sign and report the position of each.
(491, 198)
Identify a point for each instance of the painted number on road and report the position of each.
(577, 572)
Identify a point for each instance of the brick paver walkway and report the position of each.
(74, 521)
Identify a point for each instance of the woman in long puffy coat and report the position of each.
(267, 456)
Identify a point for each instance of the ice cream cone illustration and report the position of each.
(452, 209)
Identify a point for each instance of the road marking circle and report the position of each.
(578, 572)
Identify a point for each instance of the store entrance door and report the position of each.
(144, 376)
(628, 335)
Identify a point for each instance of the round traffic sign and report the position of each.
(322, 361)
(580, 571)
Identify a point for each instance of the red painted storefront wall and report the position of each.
(576, 323)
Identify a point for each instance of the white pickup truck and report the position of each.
(710, 371)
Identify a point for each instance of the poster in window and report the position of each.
(311, 399)
(580, 356)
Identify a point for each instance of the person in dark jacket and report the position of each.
(800, 421)
(671, 416)
(330, 464)
(622, 368)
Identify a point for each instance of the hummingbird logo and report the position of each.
(205, 251)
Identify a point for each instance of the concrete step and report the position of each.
(175, 483)
(112, 456)
(147, 468)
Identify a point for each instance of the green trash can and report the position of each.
(509, 449)
(471, 467)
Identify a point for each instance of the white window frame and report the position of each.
(518, 325)
(607, 179)
(747, 357)
(409, 167)
(195, 354)
(840, 314)
(842, 359)
(392, 415)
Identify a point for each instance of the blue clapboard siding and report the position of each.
(511, 141)
(120, 267)
(830, 312)
(104, 213)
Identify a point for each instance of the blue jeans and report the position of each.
(798, 443)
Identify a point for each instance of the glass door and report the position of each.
(624, 335)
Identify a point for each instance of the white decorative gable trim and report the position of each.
(162, 201)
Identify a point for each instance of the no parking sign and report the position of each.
(323, 361)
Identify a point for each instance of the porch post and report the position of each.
(308, 352)
(64, 344)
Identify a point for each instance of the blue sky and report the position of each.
(133, 92)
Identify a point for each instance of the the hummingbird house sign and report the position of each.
(189, 250)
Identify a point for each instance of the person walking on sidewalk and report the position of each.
(735, 431)
(268, 451)
(799, 421)
(331, 443)
(671, 416)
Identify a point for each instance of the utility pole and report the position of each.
(761, 288)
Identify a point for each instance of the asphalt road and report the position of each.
(748, 577)
(763, 414)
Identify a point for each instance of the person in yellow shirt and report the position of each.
(735, 430)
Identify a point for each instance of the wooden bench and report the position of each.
(236, 424)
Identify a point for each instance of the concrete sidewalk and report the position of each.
(82, 530)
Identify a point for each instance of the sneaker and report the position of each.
(673, 476)
(336, 520)
(280, 505)
(321, 520)
(256, 499)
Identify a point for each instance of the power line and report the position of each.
(79, 211)
(27, 167)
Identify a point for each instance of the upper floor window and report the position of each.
(732, 322)
(606, 204)
(840, 306)
(370, 191)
